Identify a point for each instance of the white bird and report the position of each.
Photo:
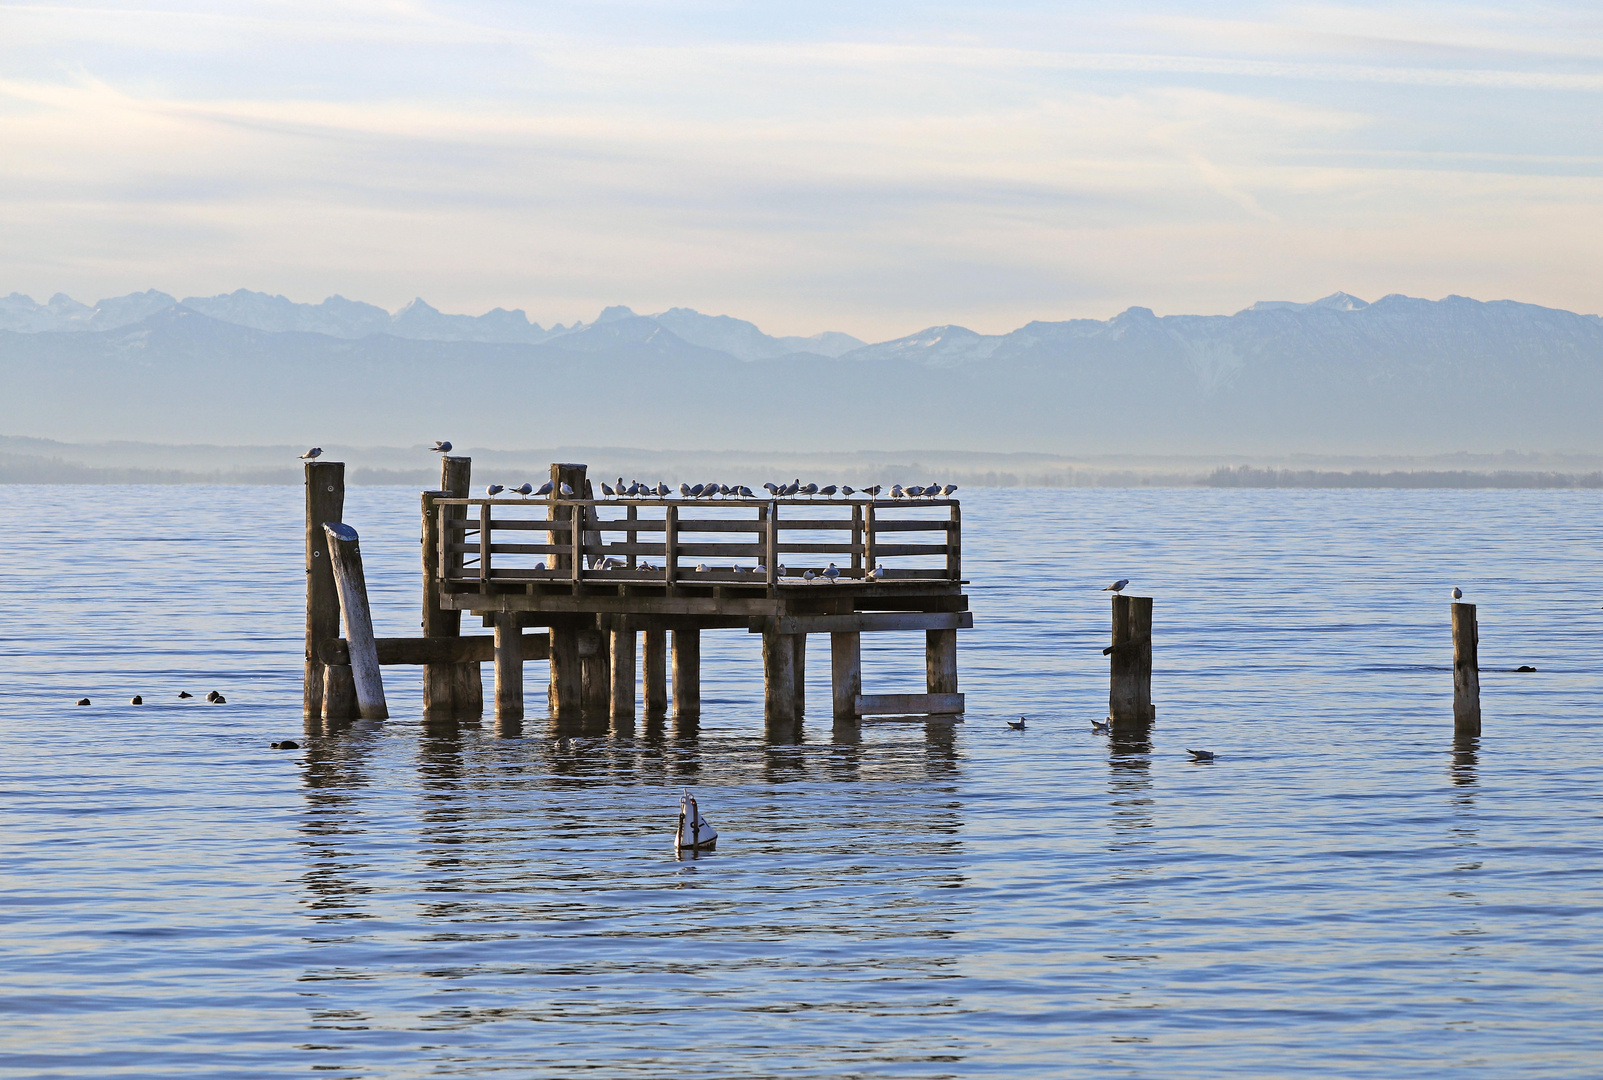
(1101, 727)
(1458, 594)
(896, 491)
(684, 491)
(493, 490)
(912, 492)
(846, 490)
(1017, 725)
(829, 491)
(810, 490)
(831, 573)
(745, 492)
(807, 575)
(1117, 586)
(567, 492)
(694, 832)
(760, 569)
(662, 490)
(782, 571)
(545, 489)
(1200, 755)
(877, 573)
(312, 454)
(606, 489)
(873, 492)
(441, 447)
(772, 488)
(946, 492)
(701, 568)
(525, 490)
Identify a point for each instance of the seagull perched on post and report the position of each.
(771, 487)
(545, 489)
(873, 492)
(846, 490)
(441, 447)
(493, 490)
(606, 489)
(1117, 586)
(877, 573)
(1458, 594)
(525, 489)
(567, 492)
(946, 492)
(828, 492)
(831, 573)
(313, 454)
(896, 491)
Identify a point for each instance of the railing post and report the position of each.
(771, 545)
(857, 540)
(671, 551)
(467, 682)
(954, 545)
(484, 543)
(869, 562)
(632, 534)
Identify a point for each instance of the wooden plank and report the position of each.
(779, 679)
(886, 551)
(325, 501)
(771, 546)
(857, 541)
(469, 649)
(954, 544)
(530, 525)
(859, 622)
(908, 704)
(671, 546)
(713, 525)
(885, 525)
(1130, 665)
(818, 524)
(870, 547)
(345, 553)
(484, 542)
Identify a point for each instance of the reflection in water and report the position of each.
(1463, 837)
(1132, 862)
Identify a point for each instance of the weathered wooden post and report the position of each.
(1130, 675)
(325, 501)
(654, 673)
(799, 664)
(571, 539)
(339, 693)
(940, 661)
(595, 667)
(346, 554)
(508, 667)
(846, 672)
(1466, 671)
(779, 679)
(566, 672)
(455, 689)
(686, 673)
(622, 647)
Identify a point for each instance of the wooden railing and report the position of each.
(724, 541)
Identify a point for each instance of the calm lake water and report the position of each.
(1343, 893)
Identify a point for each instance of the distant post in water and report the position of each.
(346, 555)
(1130, 661)
(1466, 671)
(325, 501)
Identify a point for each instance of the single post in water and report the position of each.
(1466, 671)
(686, 672)
(508, 667)
(1130, 661)
(622, 704)
(654, 673)
(346, 555)
(325, 501)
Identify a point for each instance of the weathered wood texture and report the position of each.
(339, 693)
(457, 689)
(1130, 660)
(846, 672)
(654, 672)
(472, 649)
(686, 673)
(779, 679)
(596, 675)
(864, 622)
(508, 668)
(1466, 671)
(567, 676)
(622, 704)
(798, 642)
(940, 661)
(908, 704)
(325, 501)
(345, 552)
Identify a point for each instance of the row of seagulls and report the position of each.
(929, 491)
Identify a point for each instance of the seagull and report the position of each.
(913, 492)
(828, 492)
(684, 491)
(1016, 725)
(873, 492)
(136, 700)
(606, 489)
(807, 575)
(1101, 727)
(1200, 755)
(619, 488)
(760, 569)
(662, 490)
(567, 492)
(701, 568)
(745, 493)
(795, 486)
(312, 454)
(725, 490)
(782, 571)
(933, 491)
(946, 492)
(1458, 594)
(831, 573)
(441, 447)
(810, 490)
(846, 490)
(896, 491)
(540, 565)
(493, 490)
(1117, 586)
(545, 489)
(876, 573)
(524, 489)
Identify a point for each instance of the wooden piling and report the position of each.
(654, 673)
(686, 672)
(566, 673)
(449, 689)
(339, 693)
(846, 672)
(345, 554)
(799, 663)
(596, 678)
(779, 679)
(622, 703)
(572, 475)
(508, 667)
(325, 501)
(1130, 661)
(1466, 672)
(940, 661)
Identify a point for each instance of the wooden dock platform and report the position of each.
(595, 573)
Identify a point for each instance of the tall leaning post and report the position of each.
(325, 501)
(1130, 667)
(345, 553)
(1466, 672)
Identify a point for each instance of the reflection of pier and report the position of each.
(595, 575)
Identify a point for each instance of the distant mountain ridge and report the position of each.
(417, 321)
(1338, 375)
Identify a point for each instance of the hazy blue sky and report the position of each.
(867, 167)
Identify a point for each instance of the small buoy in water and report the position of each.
(1101, 727)
(287, 744)
(185, 693)
(136, 700)
(1525, 667)
(695, 832)
(83, 701)
(1200, 755)
(1016, 725)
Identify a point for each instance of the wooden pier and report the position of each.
(597, 574)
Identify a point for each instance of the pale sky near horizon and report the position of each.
(873, 168)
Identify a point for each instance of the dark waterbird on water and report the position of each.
(1200, 755)
(136, 700)
(287, 744)
(83, 701)
(1101, 727)
(1016, 725)
(185, 693)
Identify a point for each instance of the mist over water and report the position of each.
(1344, 892)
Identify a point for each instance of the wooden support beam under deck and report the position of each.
(908, 704)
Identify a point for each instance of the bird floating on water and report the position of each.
(1200, 755)
(313, 454)
(1458, 594)
(1016, 725)
(441, 447)
(1101, 727)
(493, 490)
(185, 693)
(83, 701)
(287, 744)
(694, 832)
(1117, 586)
(136, 700)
